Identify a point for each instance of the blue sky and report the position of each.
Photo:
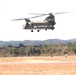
(65, 27)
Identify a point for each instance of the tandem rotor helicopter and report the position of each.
(48, 23)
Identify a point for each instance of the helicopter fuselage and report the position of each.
(40, 25)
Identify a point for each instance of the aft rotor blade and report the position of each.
(62, 12)
(48, 13)
(37, 14)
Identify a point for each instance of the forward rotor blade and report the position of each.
(27, 18)
(19, 19)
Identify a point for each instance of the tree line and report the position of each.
(38, 50)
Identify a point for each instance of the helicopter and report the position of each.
(47, 23)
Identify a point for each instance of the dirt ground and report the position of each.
(57, 65)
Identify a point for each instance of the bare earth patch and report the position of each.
(57, 65)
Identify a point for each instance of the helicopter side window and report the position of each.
(32, 24)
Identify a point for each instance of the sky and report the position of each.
(65, 27)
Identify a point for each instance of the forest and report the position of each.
(57, 49)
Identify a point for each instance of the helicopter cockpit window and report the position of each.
(27, 24)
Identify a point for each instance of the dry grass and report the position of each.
(10, 66)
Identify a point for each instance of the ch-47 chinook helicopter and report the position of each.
(48, 23)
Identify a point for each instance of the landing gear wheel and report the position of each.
(45, 29)
(53, 28)
(38, 30)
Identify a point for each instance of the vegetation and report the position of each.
(38, 50)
